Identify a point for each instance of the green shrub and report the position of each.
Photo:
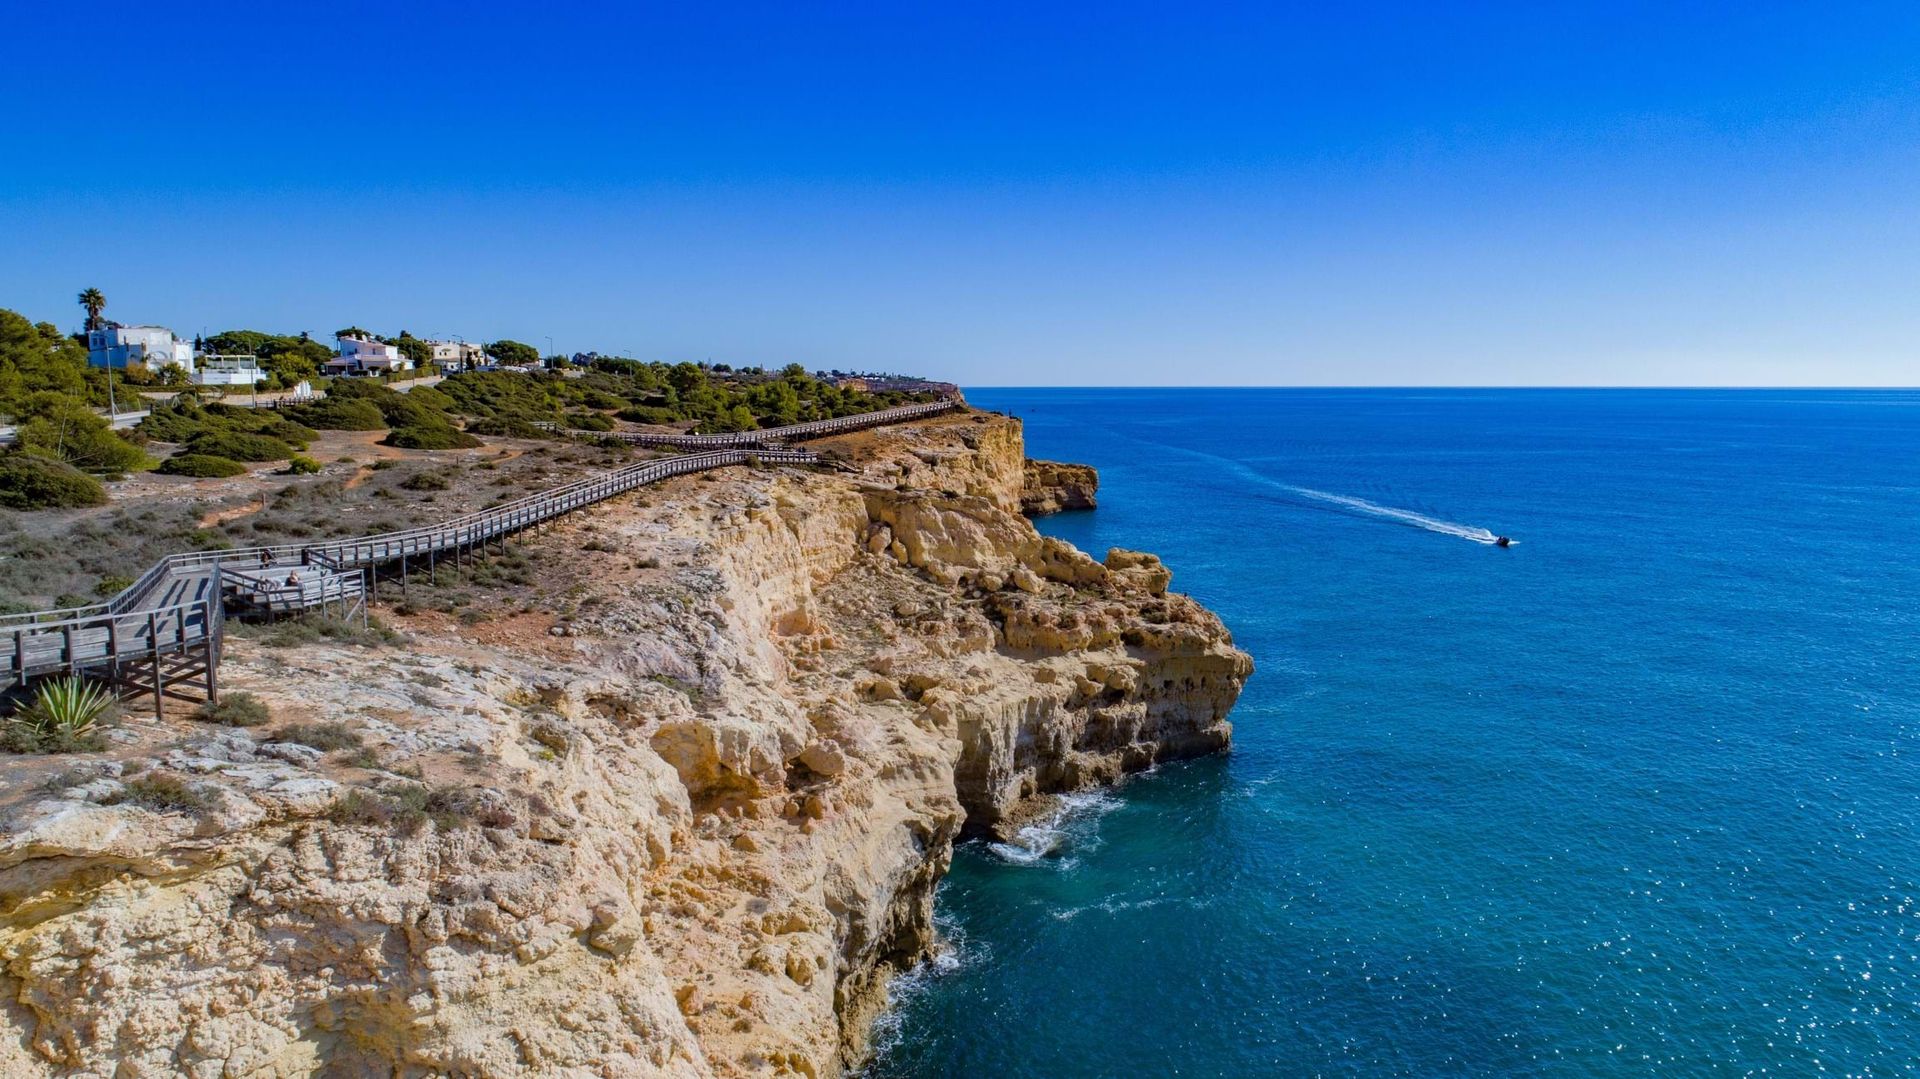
(112, 584)
(589, 421)
(29, 481)
(514, 426)
(653, 414)
(239, 447)
(333, 413)
(428, 397)
(298, 465)
(201, 465)
(287, 431)
(410, 807)
(431, 436)
(426, 481)
(330, 735)
(164, 793)
(236, 710)
(63, 717)
(62, 427)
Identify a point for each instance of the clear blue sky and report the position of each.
(1511, 194)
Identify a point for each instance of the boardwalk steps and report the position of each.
(166, 629)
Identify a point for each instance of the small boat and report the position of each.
(1502, 541)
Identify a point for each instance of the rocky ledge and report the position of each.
(1054, 486)
(688, 823)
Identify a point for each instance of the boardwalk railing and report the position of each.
(177, 605)
(166, 628)
(775, 436)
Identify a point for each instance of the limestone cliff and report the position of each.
(686, 823)
(1053, 486)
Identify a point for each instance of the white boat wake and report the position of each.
(1417, 520)
(1347, 502)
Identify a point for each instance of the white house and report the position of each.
(151, 347)
(229, 371)
(457, 355)
(361, 356)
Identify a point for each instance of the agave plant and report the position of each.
(62, 716)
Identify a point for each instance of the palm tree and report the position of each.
(95, 302)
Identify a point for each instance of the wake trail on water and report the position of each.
(1357, 506)
(1375, 509)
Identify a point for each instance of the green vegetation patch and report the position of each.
(201, 466)
(239, 447)
(236, 710)
(431, 436)
(29, 481)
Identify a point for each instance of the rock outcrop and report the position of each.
(1054, 486)
(693, 835)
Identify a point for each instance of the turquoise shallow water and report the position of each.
(1634, 797)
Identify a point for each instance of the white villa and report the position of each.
(361, 356)
(151, 347)
(229, 371)
(457, 355)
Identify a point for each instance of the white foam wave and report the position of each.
(1069, 824)
(952, 951)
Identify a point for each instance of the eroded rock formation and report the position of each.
(687, 826)
(1053, 486)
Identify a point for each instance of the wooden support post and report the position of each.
(213, 664)
(403, 574)
(159, 679)
(433, 566)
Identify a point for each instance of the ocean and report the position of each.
(1635, 796)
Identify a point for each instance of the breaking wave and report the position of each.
(1049, 839)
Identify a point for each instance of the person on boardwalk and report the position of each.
(266, 560)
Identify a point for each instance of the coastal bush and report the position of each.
(112, 584)
(237, 446)
(430, 436)
(329, 735)
(409, 807)
(201, 466)
(428, 397)
(298, 465)
(236, 710)
(333, 413)
(164, 793)
(426, 481)
(64, 716)
(507, 426)
(187, 421)
(31, 482)
(653, 414)
(589, 421)
(294, 434)
(75, 434)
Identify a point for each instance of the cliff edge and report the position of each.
(1054, 486)
(675, 805)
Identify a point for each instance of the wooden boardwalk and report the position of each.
(166, 629)
(775, 436)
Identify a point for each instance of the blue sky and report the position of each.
(1479, 194)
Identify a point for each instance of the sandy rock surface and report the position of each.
(692, 835)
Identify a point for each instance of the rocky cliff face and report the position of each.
(1053, 486)
(687, 824)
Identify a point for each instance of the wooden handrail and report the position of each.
(194, 622)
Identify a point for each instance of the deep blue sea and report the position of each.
(1636, 796)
